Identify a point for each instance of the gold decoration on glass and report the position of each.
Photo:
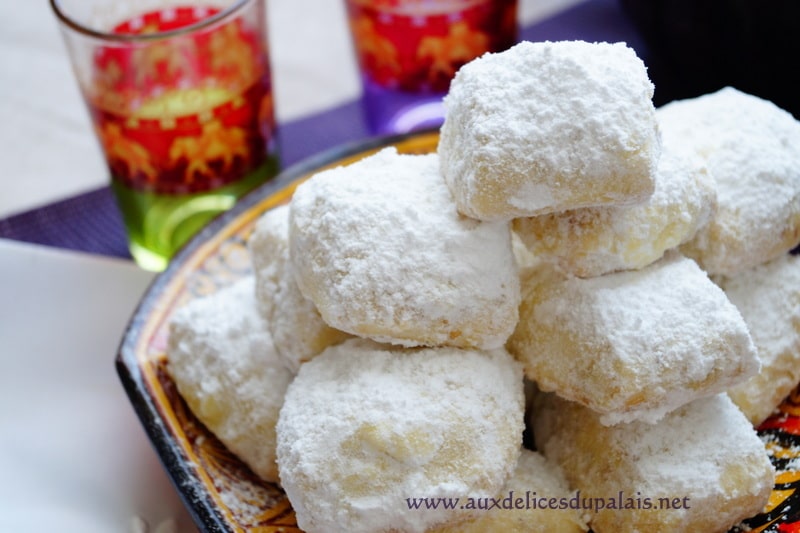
(448, 53)
(215, 143)
(232, 56)
(373, 47)
(162, 60)
(120, 149)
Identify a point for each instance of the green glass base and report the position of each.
(159, 224)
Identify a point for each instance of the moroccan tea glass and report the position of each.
(180, 96)
(409, 50)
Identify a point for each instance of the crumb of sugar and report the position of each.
(365, 426)
(549, 126)
(381, 250)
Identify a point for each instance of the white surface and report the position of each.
(73, 456)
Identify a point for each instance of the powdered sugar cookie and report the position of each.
(752, 149)
(632, 345)
(524, 504)
(768, 296)
(701, 469)
(596, 240)
(366, 426)
(550, 126)
(380, 249)
(225, 366)
(297, 329)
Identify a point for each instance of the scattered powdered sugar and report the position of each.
(752, 149)
(226, 368)
(247, 500)
(793, 465)
(380, 249)
(365, 426)
(549, 126)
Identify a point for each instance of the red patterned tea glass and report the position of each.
(180, 97)
(409, 50)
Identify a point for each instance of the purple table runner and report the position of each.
(91, 222)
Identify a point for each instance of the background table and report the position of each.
(72, 454)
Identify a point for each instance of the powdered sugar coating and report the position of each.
(544, 127)
(705, 451)
(768, 296)
(225, 366)
(380, 249)
(752, 149)
(597, 240)
(632, 345)
(297, 329)
(535, 477)
(365, 426)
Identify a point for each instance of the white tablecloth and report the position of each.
(73, 456)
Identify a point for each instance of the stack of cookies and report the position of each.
(564, 235)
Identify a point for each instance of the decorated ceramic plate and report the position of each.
(219, 490)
